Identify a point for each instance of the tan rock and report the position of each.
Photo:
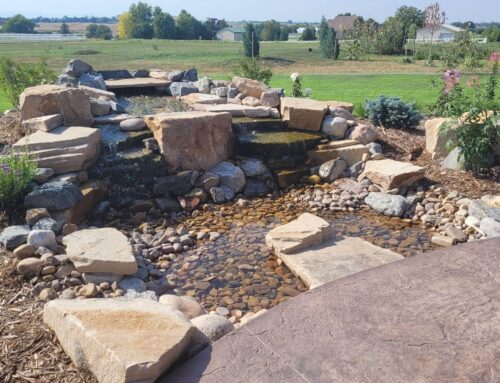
(44, 123)
(98, 93)
(201, 98)
(270, 99)
(63, 149)
(435, 142)
(93, 192)
(392, 174)
(144, 82)
(236, 110)
(251, 101)
(24, 251)
(306, 231)
(104, 250)
(44, 100)
(303, 113)
(120, 341)
(491, 200)
(193, 140)
(186, 305)
(351, 154)
(250, 88)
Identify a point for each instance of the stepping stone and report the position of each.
(351, 154)
(64, 149)
(200, 98)
(392, 174)
(306, 231)
(120, 341)
(335, 259)
(100, 251)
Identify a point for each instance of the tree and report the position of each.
(284, 33)
(142, 18)
(492, 34)
(389, 36)
(434, 18)
(270, 31)
(95, 31)
(18, 24)
(309, 34)
(251, 44)
(125, 26)
(406, 17)
(163, 25)
(64, 30)
(329, 44)
(189, 28)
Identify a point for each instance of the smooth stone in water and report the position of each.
(387, 204)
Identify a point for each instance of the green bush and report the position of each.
(16, 172)
(251, 68)
(15, 78)
(392, 112)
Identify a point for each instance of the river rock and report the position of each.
(333, 169)
(207, 181)
(453, 160)
(120, 340)
(255, 188)
(135, 284)
(29, 267)
(42, 238)
(193, 140)
(479, 209)
(334, 126)
(388, 204)
(392, 174)
(203, 85)
(186, 305)
(211, 327)
(341, 112)
(174, 184)
(44, 100)
(104, 250)
(35, 215)
(47, 224)
(58, 195)
(230, 176)
(13, 236)
(253, 168)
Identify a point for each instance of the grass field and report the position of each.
(352, 81)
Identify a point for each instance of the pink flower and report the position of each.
(495, 57)
(473, 82)
(451, 78)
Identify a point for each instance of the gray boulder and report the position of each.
(387, 204)
(490, 227)
(99, 107)
(175, 76)
(190, 75)
(43, 174)
(220, 92)
(341, 112)
(76, 68)
(141, 73)
(230, 176)
(453, 160)
(211, 327)
(174, 184)
(253, 168)
(334, 126)
(333, 169)
(207, 181)
(47, 224)
(479, 209)
(57, 195)
(255, 188)
(133, 125)
(203, 85)
(14, 236)
(92, 80)
(169, 205)
(179, 89)
(65, 79)
(221, 194)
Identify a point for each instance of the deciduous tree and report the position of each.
(251, 45)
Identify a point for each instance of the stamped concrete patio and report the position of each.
(434, 317)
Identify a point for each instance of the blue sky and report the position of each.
(282, 10)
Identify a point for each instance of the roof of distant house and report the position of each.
(234, 30)
(451, 28)
(342, 23)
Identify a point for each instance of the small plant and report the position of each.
(392, 112)
(297, 85)
(16, 172)
(493, 77)
(360, 111)
(15, 78)
(251, 68)
(155, 47)
(450, 102)
(407, 60)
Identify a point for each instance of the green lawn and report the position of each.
(4, 102)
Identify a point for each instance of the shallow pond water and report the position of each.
(143, 105)
(240, 272)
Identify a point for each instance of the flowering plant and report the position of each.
(16, 172)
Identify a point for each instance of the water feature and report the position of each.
(145, 104)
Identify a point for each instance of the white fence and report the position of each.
(27, 37)
(479, 40)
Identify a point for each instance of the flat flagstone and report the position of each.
(336, 259)
(201, 98)
(120, 340)
(104, 250)
(143, 82)
(236, 110)
(391, 174)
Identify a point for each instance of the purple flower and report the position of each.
(5, 168)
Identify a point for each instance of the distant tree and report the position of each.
(492, 34)
(406, 17)
(95, 31)
(142, 18)
(251, 43)
(18, 24)
(163, 25)
(189, 28)
(64, 30)
(329, 44)
(270, 30)
(284, 33)
(434, 18)
(125, 25)
(309, 34)
(221, 24)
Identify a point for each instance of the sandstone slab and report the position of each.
(100, 251)
(303, 113)
(392, 174)
(142, 82)
(435, 141)
(44, 123)
(43, 100)
(64, 149)
(248, 87)
(201, 98)
(236, 110)
(306, 231)
(120, 341)
(193, 140)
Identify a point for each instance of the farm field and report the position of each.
(352, 81)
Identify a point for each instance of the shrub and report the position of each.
(15, 78)
(251, 45)
(95, 31)
(16, 172)
(297, 85)
(392, 112)
(250, 68)
(352, 50)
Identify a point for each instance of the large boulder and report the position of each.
(193, 140)
(57, 195)
(120, 341)
(230, 176)
(435, 139)
(392, 174)
(270, 98)
(77, 67)
(92, 80)
(248, 87)
(303, 113)
(45, 100)
(63, 149)
(101, 251)
(387, 204)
